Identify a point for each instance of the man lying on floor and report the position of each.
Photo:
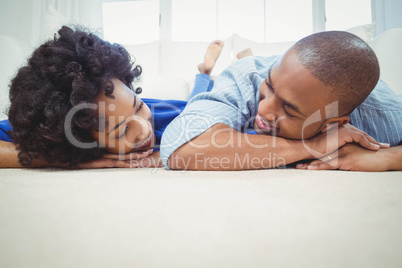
(304, 101)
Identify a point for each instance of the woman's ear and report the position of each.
(337, 121)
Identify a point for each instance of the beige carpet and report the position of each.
(159, 218)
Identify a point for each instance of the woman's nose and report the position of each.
(142, 128)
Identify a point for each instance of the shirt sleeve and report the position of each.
(5, 127)
(380, 115)
(233, 101)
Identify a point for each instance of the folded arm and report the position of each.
(223, 148)
(355, 158)
(9, 159)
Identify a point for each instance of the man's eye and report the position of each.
(270, 87)
(285, 108)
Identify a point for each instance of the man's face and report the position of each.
(288, 97)
(127, 126)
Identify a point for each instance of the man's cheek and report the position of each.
(307, 132)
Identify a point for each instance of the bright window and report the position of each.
(193, 20)
(138, 21)
(246, 18)
(345, 14)
(288, 20)
(258, 20)
(131, 22)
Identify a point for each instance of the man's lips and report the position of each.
(264, 125)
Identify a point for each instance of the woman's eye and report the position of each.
(124, 133)
(140, 106)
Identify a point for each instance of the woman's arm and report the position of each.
(9, 157)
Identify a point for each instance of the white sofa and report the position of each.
(169, 67)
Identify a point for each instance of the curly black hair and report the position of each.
(73, 68)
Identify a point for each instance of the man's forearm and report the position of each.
(223, 148)
(394, 157)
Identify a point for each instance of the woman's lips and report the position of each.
(263, 125)
(145, 143)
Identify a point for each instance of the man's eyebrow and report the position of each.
(287, 103)
(269, 75)
(293, 106)
(268, 81)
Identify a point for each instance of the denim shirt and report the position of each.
(380, 115)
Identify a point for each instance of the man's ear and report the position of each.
(336, 121)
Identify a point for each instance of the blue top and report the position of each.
(163, 112)
(4, 128)
(234, 101)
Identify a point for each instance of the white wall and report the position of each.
(16, 19)
(387, 14)
(19, 20)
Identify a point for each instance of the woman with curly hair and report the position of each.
(73, 105)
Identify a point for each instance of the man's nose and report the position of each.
(269, 109)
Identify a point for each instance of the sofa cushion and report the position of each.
(147, 56)
(365, 32)
(387, 47)
(164, 87)
(259, 49)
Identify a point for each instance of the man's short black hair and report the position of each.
(344, 62)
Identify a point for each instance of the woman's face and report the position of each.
(125, 124)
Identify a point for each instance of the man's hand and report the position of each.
(355, 158)
(336, 137)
